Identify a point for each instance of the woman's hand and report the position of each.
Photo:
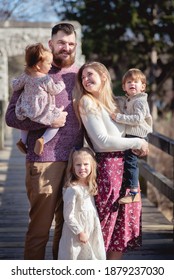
(83, 237)
(144, 149)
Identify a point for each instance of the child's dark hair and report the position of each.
(35, 53)
(67, 28)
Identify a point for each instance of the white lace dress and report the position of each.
(80, 214)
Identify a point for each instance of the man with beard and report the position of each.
(45, 173)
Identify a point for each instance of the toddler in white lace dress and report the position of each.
(81, 235)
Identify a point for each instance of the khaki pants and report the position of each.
(44, 182)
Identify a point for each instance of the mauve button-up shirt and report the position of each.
(67, 137)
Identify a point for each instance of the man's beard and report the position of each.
(61, 62)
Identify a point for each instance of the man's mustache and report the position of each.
(70, 52)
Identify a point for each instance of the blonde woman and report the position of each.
(93, 102)
(81, 236)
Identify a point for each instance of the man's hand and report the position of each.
(61, 120)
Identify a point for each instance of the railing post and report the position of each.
(3, 92)
(1, 125)
(173, 222)
(143, 182)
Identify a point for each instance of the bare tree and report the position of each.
(28, 10)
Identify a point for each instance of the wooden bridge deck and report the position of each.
(158, 238)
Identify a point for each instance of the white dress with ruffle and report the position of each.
(80, 214)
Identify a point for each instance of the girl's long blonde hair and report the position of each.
(71, 178)
(106, 94)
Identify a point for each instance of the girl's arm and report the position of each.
(55, 88)
(138, 117)
(70, 200)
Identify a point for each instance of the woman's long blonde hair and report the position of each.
(106, 94)
(71, 178)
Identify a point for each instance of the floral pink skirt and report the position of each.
(121, 224)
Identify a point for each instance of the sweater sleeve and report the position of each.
(19, 83)
(133, 119)
(96, 128)
(55, 88)
(70, 200)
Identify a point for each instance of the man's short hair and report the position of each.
(67, 28)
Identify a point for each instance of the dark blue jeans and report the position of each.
(131, 170)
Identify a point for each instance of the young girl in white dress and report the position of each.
(81, 235)
(37, 99)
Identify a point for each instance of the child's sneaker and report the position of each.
(131, 197)
(21, 146)
(39, 145)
